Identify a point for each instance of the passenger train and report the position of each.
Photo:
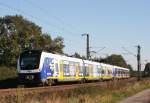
(36, 66)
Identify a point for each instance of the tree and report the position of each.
(45, 41)
(113, 59)
(147, 70)
(116, 60)
(57, 45)
(77, 55)
(18, 34)
(131, 69)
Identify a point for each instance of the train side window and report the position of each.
(87, 70)
(80, 69)
(72, 68)
(66, 69)
(98, 69)
(103, 72)
(56, 67)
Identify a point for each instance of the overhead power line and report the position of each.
(43, 10)
(39, 19)
(128, 52)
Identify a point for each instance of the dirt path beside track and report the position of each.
(141, 97)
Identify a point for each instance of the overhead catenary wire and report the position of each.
(128, 52)
(20, 11)
(34, 17)
(45, 11)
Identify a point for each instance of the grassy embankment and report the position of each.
(7, 72)
(110, 93)
(8, 77)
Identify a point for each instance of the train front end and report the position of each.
(28, 67)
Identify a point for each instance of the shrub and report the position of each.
(7, 72)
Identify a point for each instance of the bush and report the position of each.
(7, 72)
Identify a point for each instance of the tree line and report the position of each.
(114, 59)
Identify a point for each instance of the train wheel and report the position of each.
(21, 86)
(83, 80)
(50, 82)
(101, 80)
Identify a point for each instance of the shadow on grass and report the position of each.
(8, 83)
(13, 83)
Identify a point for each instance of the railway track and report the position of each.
(58, 88)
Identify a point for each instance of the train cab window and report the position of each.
(29, 62)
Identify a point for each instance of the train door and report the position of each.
(72, 68)
(69, 70)
(99, 71)
(55, 67)
(96, 72)
(65, 69)
(81, 71)
(86, 71)
(102, 71)
(77, 70)
(90, 67)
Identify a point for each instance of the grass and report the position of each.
(7, 72)
(8, 77)
(112, 92)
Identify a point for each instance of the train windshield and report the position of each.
(29, 61)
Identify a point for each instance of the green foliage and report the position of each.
(114, 59)
(7, 72)
(77, 55)
(147, 70)
(18, 34)
(57, 45)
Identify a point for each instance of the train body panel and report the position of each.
(42, 67)
(107, 71)
(49, 66)
(70, 68)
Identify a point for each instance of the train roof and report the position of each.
(79, 60)
(63, 57)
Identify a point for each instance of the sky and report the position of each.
(113, 24)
